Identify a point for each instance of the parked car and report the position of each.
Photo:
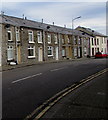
(101, 55)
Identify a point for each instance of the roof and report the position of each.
(90, 31)
(20, 22)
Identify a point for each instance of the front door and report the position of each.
(18, 54)
(40, 54)
(56, 53)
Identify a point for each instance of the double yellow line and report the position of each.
(42, 109)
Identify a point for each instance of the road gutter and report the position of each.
(42, 109)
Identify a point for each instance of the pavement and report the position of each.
(90, 101)
(9, 67)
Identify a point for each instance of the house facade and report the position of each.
(29, 42)
(97, 41)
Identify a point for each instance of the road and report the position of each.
(89, 101)
(24, 89)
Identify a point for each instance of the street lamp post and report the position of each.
(73, 30)
(73, 21)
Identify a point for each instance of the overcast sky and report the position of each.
(93, 14)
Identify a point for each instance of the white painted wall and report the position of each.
(102, 45)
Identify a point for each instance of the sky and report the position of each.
(93, 14)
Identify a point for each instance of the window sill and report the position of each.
(31, 42)
(30, 57)
(10, 40)
(40, 42)
(49, 42)
(50, 55)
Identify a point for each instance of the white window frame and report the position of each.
(92, 41)
(63, 41)
(30, 33)
(85, 51)
(63, 52)
(55, 38)
(50, 48)
(68, 39)
(31, 48)
(49, 38)
(17, 35)
(75, 52)
(79, 41)
(11, 50)
(39, 36)
(9, 32)
(97, 41)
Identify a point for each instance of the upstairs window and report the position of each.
(55, 38)
(39, 36)
(63, 41)
(75, 40)
(97, 41)
(68, 39)
(9, 36)
(49, 39)
(17, 35)
(79, 41)
(31, 39)
(92, 41)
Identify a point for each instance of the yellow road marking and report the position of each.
(68, 90)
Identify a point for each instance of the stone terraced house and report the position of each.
(25, 41)
(98, 41)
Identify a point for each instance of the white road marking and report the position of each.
(57, 69)
(26, 78)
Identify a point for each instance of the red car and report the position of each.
(101, 55)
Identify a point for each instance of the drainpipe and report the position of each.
(43, 37)
(59, 47)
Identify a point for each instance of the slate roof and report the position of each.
(20, 22)
(90, 31)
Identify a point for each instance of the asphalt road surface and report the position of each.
(24, 89)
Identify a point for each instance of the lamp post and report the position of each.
(73, 30)
(73, 21)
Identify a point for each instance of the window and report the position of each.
(102, 50)
(79, 41)
(63, 41)
(92, 51)
(63, 52)
(9, 36)
(68, 40)
(85, 50)
(97, 41)
(84, 40)
(75, 52)
(104, 40)
(55, 38)
(92, 41)
(49, 38)
(31, 40)
(97, 49)
(17, 35)
(31, 51)
(10, 53)
(39, 36)
(75, 40)
(50, 51)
